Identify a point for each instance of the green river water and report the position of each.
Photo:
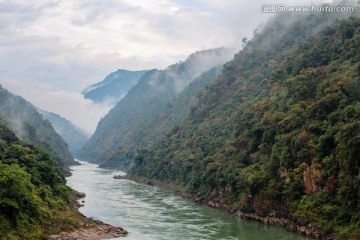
(152, 213)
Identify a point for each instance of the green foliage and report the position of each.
(33, 192)
(160, 101)
(278, 131)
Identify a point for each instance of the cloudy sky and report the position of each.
(50, 50)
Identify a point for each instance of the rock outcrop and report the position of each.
(79, 195)
(90, 229)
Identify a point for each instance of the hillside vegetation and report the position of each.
(160, 124)
(278, 133)
(34, 198)
(119, 133)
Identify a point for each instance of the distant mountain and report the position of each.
(117, 131)
(159, 125)
(28, 124)
(73, 136)
(114, 87)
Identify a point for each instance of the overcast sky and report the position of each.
(51, 50)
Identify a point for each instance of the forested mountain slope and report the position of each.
(73, 136)
(22, 118)
(155, 90)
(278, 134)
(158, 125)
(34, 197)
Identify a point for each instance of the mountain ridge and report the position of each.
(150, 96)
(73, 135)
(114, 87)
(159, 125)
(22, 118)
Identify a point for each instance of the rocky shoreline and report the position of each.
(286, 223)
(291, 225)
(272, 219)
(89, 229)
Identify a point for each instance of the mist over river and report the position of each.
(152, 213)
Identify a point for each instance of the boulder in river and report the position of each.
(79, 195)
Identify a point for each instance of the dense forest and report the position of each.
(157, 125)
(120, 132)
(278, 132)
(34, 198)
(275, 133)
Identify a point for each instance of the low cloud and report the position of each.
(75, 43)
(61, 47)
(72, 105)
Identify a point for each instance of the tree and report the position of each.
(16, 193)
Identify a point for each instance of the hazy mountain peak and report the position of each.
(114, 87)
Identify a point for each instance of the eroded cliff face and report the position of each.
(312, 177)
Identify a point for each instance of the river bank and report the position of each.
(153, 213)
(90, 229)
(273, 219)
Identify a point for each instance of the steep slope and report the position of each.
(34, 196)
(73, 136)
(277, 135)
(23, 119)
(155, 90)
(158, 125)
(114, 87)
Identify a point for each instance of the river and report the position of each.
(152, 213)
